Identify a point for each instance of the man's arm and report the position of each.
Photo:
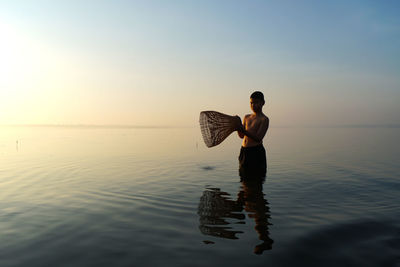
(241, 129)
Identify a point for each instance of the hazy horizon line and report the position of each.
(132, 126)
(85, 125)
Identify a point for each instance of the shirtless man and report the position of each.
(252, 158)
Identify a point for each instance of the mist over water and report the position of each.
(158, 197)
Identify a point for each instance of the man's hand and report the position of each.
(238, 124)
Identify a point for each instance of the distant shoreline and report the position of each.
(91, 126)
(123, 126)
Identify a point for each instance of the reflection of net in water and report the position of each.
(214, 210)
(216, 126)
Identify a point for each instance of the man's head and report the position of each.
(257, 101)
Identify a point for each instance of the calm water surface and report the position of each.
(158, 197)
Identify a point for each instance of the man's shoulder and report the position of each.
(263, 117)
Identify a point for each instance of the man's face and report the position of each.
(256, 104)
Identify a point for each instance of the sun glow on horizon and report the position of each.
(36, 80)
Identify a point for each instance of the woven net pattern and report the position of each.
(216, 127)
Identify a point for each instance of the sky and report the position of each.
(159, 63)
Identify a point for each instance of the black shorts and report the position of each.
(252, 161)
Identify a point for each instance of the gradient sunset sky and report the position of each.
(162, 62)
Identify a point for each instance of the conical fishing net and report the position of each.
(216, 127)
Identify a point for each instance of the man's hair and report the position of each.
(257, 95)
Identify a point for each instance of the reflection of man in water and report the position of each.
(252, 198)
(252, 156)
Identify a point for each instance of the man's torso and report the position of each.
(252, 124)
